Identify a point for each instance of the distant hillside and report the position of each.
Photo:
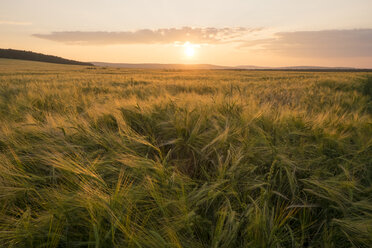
(251, 67)
(162, 66)
(218, 67)
(27, 55)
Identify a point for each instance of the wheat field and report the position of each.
(107, 157)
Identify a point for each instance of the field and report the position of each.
(106, 157)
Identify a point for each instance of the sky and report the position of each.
(234, 32)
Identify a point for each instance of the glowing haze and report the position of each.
(235, 32)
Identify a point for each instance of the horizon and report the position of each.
(241, 66)
(273, 34)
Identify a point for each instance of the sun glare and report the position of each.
(189, 49)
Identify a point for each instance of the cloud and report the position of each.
(149, 36)
(312, 44)
(327, 43)
(2, 22)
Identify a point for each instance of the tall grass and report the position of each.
(138, 158)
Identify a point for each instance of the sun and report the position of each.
(189, 49)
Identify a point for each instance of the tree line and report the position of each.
(28, 55)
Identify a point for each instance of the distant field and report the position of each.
(105, 157)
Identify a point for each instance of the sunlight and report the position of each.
(189, 49)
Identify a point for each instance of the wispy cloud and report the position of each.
(3, 22)
(149, 36)
(327, 43)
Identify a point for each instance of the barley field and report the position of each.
(107, 157)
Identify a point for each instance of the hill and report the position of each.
(219, 67)
(162, 66)
(28, 55)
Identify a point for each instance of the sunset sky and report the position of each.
(235, 32)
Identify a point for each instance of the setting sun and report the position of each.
(189, 49)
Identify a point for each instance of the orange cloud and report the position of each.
(2, 22)
(327, 43)
(148, 36)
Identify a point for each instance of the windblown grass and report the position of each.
(98, 157)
